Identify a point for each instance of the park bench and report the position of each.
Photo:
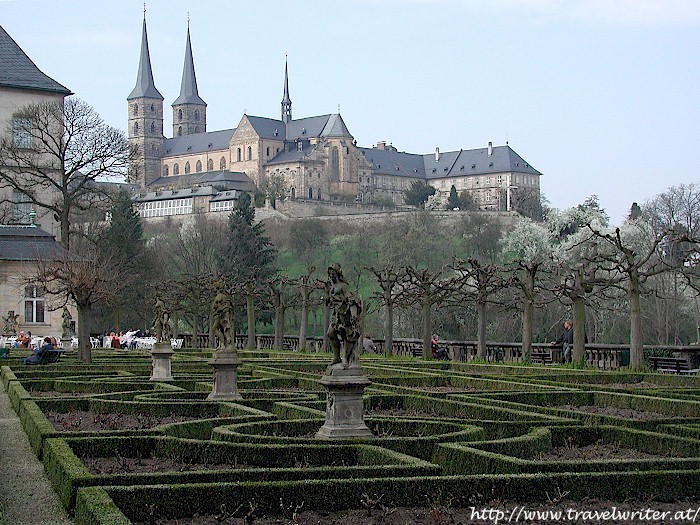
(671, 365)
(544, 358)
(51, 356)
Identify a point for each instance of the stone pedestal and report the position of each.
(225, 364)
(161, 356)
(344, 406)
(67, 343)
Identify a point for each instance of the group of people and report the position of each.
(122, 340)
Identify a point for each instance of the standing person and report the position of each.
(566, 341)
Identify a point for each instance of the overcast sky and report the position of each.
(601, 96)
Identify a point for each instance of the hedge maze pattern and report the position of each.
(119, 448)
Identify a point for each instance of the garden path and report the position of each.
(25, 494)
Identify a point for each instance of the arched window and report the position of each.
(198, 167)
(153, 149)
(222, 163)
(136, 110)
(318, 194)
(196, 129)
(210, 165)
(187, 167)
(250, 153)
(176, 169)
(311, 193)
(179, 131)
(153, 127)
(268, 151)
(238, 154)
(196, 114)
(153, 108)
(166, 172)
(136, 128)
(294, 190)
(179, 115)
(335, 165)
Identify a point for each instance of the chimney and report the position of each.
(437, 154)
(381, 144)
(490, 148)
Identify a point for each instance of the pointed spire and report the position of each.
(145, 85)
(188, 88)
(286, 101)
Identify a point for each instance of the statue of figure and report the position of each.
(65, 325)
(11, 323)
(222, 315)
(345, 320)
(161, 325)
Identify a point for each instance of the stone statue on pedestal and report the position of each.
(345, 326)
(11, 323)
(161, 325)
(65, 325)
(222, 313)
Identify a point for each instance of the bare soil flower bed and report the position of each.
(559, 511)
(119, 465)
(597, 451)
(53, 393)
(80, 420)
(627, 413)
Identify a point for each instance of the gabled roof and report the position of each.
(268, 128)
(395, 163)
(198, 142)
(476, 162)
(18, 71)
(294, 155)
(335, 127)
(188, 87)
(145, 85)
(28, 243)
(232, 180)
(449, 163)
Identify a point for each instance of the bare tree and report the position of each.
(87, 280)
(389, 280)
(65, 148)
(305, 285)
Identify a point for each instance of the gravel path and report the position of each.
(25, 493)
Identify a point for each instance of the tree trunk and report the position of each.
(84, 346)
(250, 314)
(481, 329)
(210, 330)
(195, 330)
(304, 319)
(528, 312)
(636, 343)
(427, 328)
(279, 327)
(326, 324)
(389, 330)
(578, 354)
(174, 323)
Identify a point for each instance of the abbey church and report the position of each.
(310, 158)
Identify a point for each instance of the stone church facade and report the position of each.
(310, 158)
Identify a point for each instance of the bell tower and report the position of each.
(145, 106)
(189, 110)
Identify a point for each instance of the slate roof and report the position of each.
(292, 156)
(268, 128)
(145, 85)
(188, 88)
(198, 142)
(28, 243)
(18, 71)
(231, 180)
(449, 164)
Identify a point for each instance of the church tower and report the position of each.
(286, 101)
(189, 111)
(145, 105)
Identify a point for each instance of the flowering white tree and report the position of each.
(526, 250)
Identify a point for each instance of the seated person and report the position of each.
(23, 340)
(39, 353)
(369, 346)
(438, 353)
